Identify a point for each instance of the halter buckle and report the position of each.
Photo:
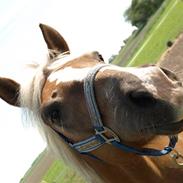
(106, 135)
(177, 158)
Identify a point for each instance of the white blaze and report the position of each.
(69, 74)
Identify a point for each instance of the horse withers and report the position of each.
(111, 124)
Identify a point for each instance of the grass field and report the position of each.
(45, 169)
(151, 42)
(59, 173)
(143, 47)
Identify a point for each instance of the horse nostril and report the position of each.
(142, 98)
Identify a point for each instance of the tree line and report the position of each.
(140, 11)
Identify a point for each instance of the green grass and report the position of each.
(169, 26)
(137, 38)
(150, 43)
(60, 173)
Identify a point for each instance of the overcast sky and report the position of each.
(87, 25)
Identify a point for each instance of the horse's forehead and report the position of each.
(71, 73)
(72, 68)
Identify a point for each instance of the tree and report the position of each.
(141, 10)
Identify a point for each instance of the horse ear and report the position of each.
(9, 91)
(55, 42)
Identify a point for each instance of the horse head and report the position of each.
(136, 103)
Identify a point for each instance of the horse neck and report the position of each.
(114, 165)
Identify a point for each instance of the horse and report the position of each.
(112, 124)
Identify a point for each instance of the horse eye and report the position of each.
(55, 116)
(51, 112)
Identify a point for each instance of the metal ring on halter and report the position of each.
(177, 158)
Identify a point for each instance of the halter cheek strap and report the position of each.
(105, 135)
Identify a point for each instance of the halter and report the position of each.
(104, 135)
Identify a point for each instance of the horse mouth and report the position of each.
(166, 129)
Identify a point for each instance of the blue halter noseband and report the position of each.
(104, 135)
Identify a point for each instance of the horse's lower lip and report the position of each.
(168, 128)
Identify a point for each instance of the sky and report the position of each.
(87, 25)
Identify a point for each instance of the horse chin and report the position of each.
(170, 128)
